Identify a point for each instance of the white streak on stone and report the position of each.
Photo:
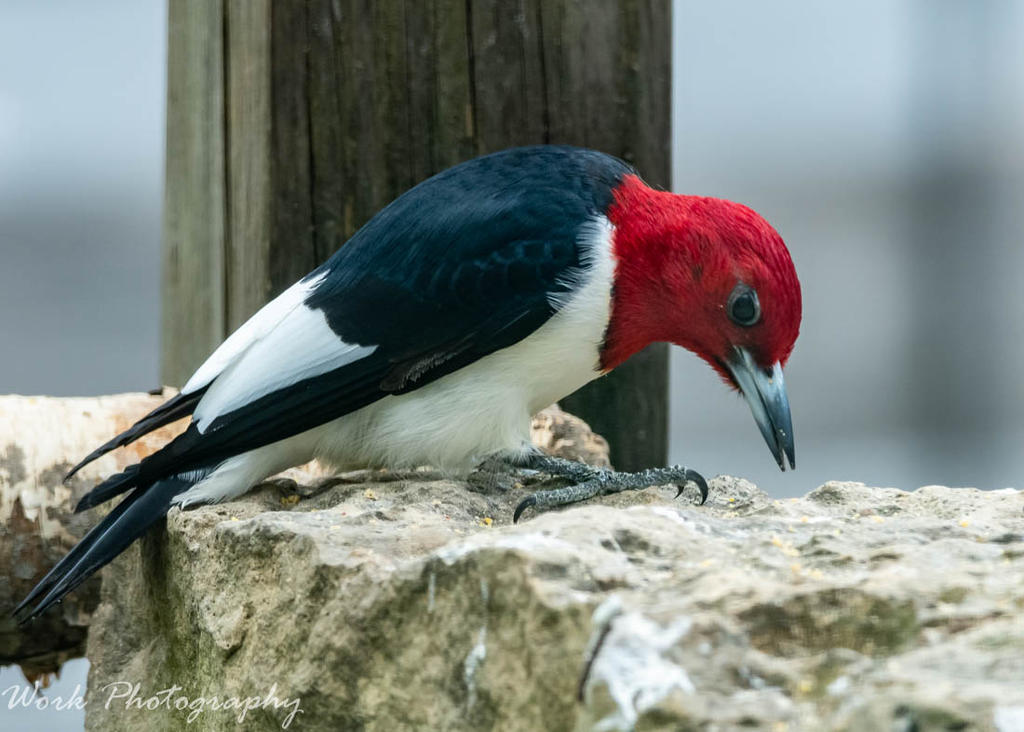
(523, 542)
(839, 686)
(631, 664)
(669, 513)
(476, 656)
(1009, 719)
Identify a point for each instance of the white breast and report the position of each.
(486, 406)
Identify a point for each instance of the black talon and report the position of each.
(695, 477)
(523, 505)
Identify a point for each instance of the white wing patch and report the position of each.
(260, 324)
(302, 345)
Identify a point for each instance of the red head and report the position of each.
(711, 276)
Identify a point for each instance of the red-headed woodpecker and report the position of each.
(471, 302)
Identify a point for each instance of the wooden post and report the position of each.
(291, 123)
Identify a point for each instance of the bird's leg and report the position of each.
(589, 482)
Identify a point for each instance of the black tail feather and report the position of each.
(128, 521)
(69, 559)
(173, 409)
(113, 486)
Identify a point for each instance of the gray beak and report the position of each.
(765, 392)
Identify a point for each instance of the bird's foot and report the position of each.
(590, 482)
(502, 472)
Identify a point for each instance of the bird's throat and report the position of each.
(647, 261)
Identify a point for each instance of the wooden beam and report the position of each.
(194, 248)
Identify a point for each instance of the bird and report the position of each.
(469, 303)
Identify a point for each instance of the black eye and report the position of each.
(744, 309)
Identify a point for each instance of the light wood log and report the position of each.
(40, 439)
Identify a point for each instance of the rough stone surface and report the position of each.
(410, 602)
(563, 435)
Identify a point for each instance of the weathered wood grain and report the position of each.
(250, 210)
(332, 108)
(292, 243)
(194, 203)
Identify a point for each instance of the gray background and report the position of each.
(883, 139)
(81, 185)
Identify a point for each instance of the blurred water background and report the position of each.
(884, 140)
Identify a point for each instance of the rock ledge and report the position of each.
(410, 602)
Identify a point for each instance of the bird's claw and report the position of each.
(524, 504)
(692, 476)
